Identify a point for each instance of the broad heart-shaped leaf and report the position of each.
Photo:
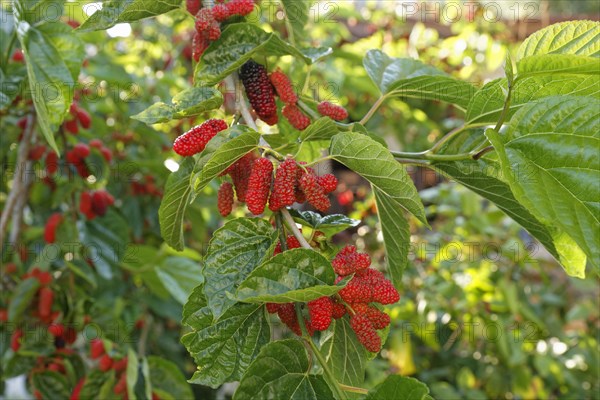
(174, 203)
(399, 387)
(572, 37)
(294, 275)
(234, 251)
(190, 102)
(555, 142)
(328, 224)
(51, 385)
(406, 77)
(558, 64)
(345, 356)
(237, 44)
(167, 380)
(321, 129)
(282, 372)
(223, 348)
(227, 154)
(116, 11)
(53, 56)
(22, 296)
(487, 104)
(375, 163)
(396, 235)
(179, 275)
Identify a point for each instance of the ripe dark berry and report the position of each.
(295, 116)
(105, 363)
(50, 229)
(333, 111)
(259, 185)
(320, 311)
(96, 348)
(365, 332)
(225, 199)
(284, 185)
(314, 193)
(259, 91)
(283, 87)
(46, 298)
(195, 140)
(328, 182)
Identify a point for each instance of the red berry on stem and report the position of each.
(295, 116)
(50, 229)
(284, 185)
(36, 152)
(81, 150)
(338, 310)
(320, 311)
(193, 6)
(240, 174)
(195, 140)
(45, 302)
(51, 162)
(225, 199)
(272, 308)
(259, 185)
(314, 193)
(328, 182)
(365, 332)
(220, 12)
(96, 348)
(15, 340)
(333, 111)
(96, 143)
(385, 293)
(71, 126)
(105, 363)
(56, 330)
(283, 87)
(84, 118)
(259, 91)
(240, 7)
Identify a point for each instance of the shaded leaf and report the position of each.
(328, 224)
(116, 11)
(21, 298)
(399, 387)
(345, 356)
(167, 380)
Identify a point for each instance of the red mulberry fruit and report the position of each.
(385, 293)
(295, 116)
(365, 332)
(378, 318)
(259, 185)
(195, 140)
(314, 193)
(328, 182)
(284, 185)
(240, 174)
(283, 87)
(50, 228)
(225, 199)
(272, 308)
(199, 44)
(356, 291)
(338, 310)
(333, 111)
(46, 298)
(259, 91)
(220, 12)
(193, 6)
(240, 7)
(51, 163)
(320, 311)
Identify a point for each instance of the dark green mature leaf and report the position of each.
(53, 56)
(95, 383)
(21, 298)
(225, 155)
(399, 387)
(234, 251)
(179, 275)
(51, 385)
(572, 37)
(185, 104)
(346, 357)
(555, 141)
(237, 44)
(294, 275)
(321, 129)
(328, 224)
(132, 373)
(116, 11)
(174, 203)
(406, 77)
(167, 380)
(10, 82)
(296, 15)
(224, 348)
(282, 371)
(396, 235)
(375, 163)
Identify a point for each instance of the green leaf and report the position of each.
(225, 155)
(572, 37)
(167, 380)
(237, 44)
(224, 348)
(406, 77)
(315, 54)
(548, 154)
(180, 276)
(375, 163)
(84, 271)
(346, 357)
(282, 371)
(234, 251)
(51, 385)
(322, 129)
(21, 298)
(294, 275)
(396, 235)
(399, 387)
(132, 373)
(185, 104)
(174, 203)
(296, 15)
(96, 383)
(116, 11)
(53, 56)
(558, 64)
(328, 224)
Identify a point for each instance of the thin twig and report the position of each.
(291, 224)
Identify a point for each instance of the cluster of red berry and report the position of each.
(208, 20)
(146, 187)
(254, 184)
(78, 117)
(366, 287)
(95, 203)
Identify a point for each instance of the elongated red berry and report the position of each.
(57, 330)
(365, 332)
(259, 185)
(287, 315)
(328, 182)
(338, 310)
(50, 229)
(100, 202)
(333, 111)
(378, 318)
(120, 365)
(272, 308)
(295, 116)
(45, 302)
(240, 7)
(385, 293)
(85, 205)
(193, 6)
(204, 19)
(121, 385)
(314, 193)
(240, 174)
(15, 340)
(320, 311)
(96, 143)
(71, 126)
(225, 199)
(220, 12)
(356, 291)
(96, 348)
(259, 91)
(195, 140)
(200, 43)
(51, 162)
(81, 150)
(105, 363)
(349, 261)
(283, 87)
(84, 118)
(36, 152)
(284, 185)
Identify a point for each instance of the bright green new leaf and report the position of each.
(115, 11)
